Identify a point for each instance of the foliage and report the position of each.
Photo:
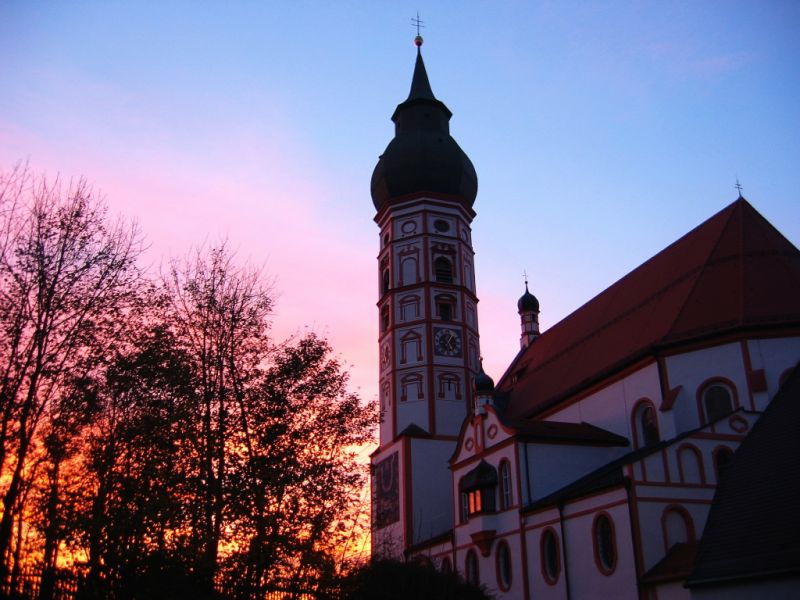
(391, 580)
(153, 438)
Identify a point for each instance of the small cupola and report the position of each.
(484, 390)
(528, 309)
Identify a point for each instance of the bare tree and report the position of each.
(66, 276)
(220, 314)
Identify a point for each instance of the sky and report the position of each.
(601, 132)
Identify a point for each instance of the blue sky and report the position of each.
(600, 131)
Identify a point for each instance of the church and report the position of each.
(644, 447)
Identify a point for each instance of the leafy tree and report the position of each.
(297, 478)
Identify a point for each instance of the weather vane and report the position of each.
(738, 186)
(417, 22)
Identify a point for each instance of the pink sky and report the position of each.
(600, 134)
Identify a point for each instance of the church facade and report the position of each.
(590, 469)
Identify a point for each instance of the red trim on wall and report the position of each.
(669, 398)
(595, 509)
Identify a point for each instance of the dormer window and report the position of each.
(478, 491)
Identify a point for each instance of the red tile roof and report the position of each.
(733, 272)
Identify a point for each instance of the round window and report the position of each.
(441, 225)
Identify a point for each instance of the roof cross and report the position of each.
(417, 22)
(738, 186)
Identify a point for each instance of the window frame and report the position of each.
(606, 567)
(702, 407)
(503, 582)
(640, 431)
(506, 488)
(550, 579)
(472, 572)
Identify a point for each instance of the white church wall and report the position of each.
(693, 369)
(775, 356)
(552, 466)
(586, 579)
(610, 407)
(542, 586)
(431, 489)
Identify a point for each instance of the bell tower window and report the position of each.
(445, 307)
(385, 281)
(443, 270)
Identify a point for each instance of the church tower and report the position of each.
(423, 189)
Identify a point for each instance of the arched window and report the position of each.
(505, 485)
(551, 561)
(690, 464)
(722, 456)
(385, 281)
(503, 565)
(717, 402)
(411, 347)
(449, 386)
(471, 568)
(445, 307)
(677, 526)
(443, 270)
(385, 317)
(411, 387)
(645, 424)
(409, 308)
(408, 270)
(605, 545)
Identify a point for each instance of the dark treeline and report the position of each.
(154, 440)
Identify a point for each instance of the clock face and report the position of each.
(446, 342)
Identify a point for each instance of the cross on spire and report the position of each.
(417, 22)
(738, 186)
(525, 275)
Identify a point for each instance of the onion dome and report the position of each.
(527, 302)
(483, 383)
(423, 157)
